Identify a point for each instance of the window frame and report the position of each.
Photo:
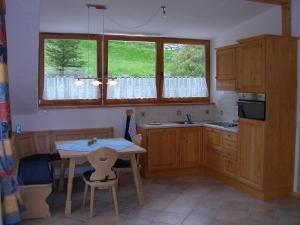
(206, 44)
(106, 101)
(103, 101)
(67, 102)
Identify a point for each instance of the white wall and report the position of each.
(23, 34)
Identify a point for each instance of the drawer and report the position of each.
(228, 144)
(230, 167)
(230, 136)
(231, 154)
(213, 138)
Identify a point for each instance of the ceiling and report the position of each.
(188, 18)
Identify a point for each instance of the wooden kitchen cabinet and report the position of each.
(251, 66)
(214, 159)
(227, 68)
(251, 152)
(230, 167)
(220, 151)
(162, 149)
(171, 149)
(213, 138)
(190, 144)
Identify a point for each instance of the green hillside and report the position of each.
(79, 58)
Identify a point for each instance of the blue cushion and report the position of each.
(35, 170)
(49, 157)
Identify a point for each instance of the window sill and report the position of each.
(108, 105)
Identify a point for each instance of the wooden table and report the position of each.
(76, 157)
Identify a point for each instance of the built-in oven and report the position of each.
(252, 106)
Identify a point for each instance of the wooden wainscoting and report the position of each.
(42, 142)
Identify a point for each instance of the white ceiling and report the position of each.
(185, 18)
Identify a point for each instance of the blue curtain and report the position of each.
(12, 205)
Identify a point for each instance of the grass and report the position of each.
(136, 59)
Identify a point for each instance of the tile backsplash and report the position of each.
(226, 104)
(175, 113)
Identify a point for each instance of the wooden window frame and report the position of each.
(76, 102)
(103, 101)
(106, 101)
(206, 44)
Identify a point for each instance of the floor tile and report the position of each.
(170, 217)
(181, 200)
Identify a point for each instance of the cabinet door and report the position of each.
(251, 152)
(213, 138)
(226, 69)
(230, 167)
(162, 149)
(190, 142)
(251, 64)
(214, 160)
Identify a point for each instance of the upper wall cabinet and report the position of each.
(227, 68)
(251, 66)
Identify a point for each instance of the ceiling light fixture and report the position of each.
(164, 11)
(96, 81)
(78, 82)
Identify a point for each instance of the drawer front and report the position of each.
(213, 138)
(228, 144)
(230, 167)
(231, 154)
(230, 136)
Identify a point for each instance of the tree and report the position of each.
(188, 61)
(61, 54)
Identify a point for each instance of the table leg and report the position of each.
(61, 176)
(137, 179)
(68, 207)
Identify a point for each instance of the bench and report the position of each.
(35, 151)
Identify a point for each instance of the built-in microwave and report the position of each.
(252, 106)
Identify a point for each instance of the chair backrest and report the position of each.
(103, 160)
(137, 139)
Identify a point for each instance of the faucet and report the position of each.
(189, 118)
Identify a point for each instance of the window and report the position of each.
(136, 70)
(184, 71)
(64, 60)
(132, 65)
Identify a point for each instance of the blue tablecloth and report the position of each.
(82, 145)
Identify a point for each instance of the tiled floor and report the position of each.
(186, 200)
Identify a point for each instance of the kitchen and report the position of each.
(240, 143)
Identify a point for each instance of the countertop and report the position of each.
(177, 125)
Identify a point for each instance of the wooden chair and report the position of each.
(102, 177)
(123, 164)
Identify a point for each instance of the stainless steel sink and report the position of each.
(223, 124)
(183, 122)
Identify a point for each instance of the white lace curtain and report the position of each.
(58, 88)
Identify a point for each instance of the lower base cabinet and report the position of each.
(239, 158)
(162, 149)
(171, 149)
(220, 151)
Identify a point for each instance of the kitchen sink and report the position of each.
(223, 124)
(183, 122)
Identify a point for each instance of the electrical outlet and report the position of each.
(221, 112)
(207, 112)
(18, 128)
(179, 113)
(143, 114)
